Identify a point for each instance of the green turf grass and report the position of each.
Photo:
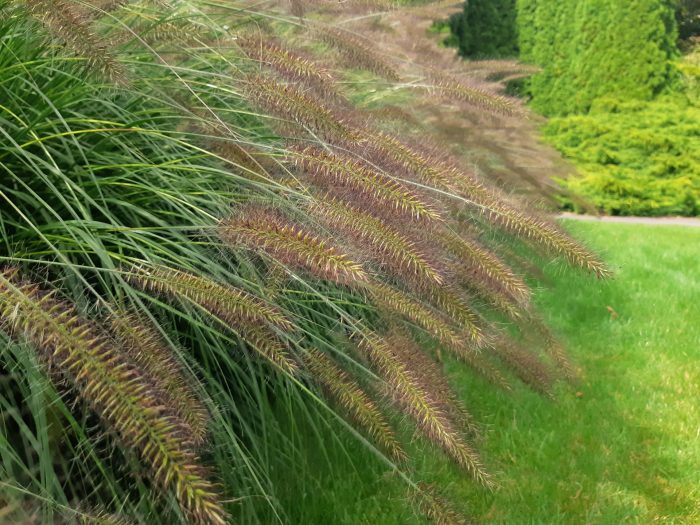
(623, 446)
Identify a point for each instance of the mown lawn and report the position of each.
(623, 446)
(620, 447)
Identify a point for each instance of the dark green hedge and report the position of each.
(486, 29)
(594, 48)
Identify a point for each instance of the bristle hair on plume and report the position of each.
(451, 302)
(443, 174)
(179, 31)
(331, 171)
(356, 51)
(505, 70)
(121, 394)
(430, 375)
(287, 63)
(361, 408)
(434, 506)
(149, 350)
(487, 263)
(262, 229)
(526, 365)
(64, 21)
(544, 233)
(225, 301)
(244, 160)
(534, 326)
(407, 391)
(392, 247)
(474, 94)
(101, 517)
(404, 304)
(242, 312)
(289, 103)
(388, 150)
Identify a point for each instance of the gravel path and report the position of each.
(666, 221)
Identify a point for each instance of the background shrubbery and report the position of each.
(624, 108)
(594, 48)
(635, 158)
(486, 29)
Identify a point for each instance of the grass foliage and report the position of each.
(621, 446)
(213, 264)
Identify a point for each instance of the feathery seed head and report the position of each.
(147, 348)
(474, 93)
(393, 248)
(432, 321)
(65, 22)
(356, 51)
(289, 64)
(115, 388)
(359, 405)
(334, 170)
(241, 311)
(433, 506)
(290, 103)
(263, 229)
(412, 396)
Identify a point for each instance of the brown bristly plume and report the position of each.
(374, 5)
(435, 507)
(97, 8)
(336, 170)
(504, 69)
(101, 517)
(275, 279)
(394, 302)
(266, 343)
(392, 247)
(180, 32)
(356, 51)
(483, 366)
(225, 301)
(64, 21)
(289, 64)
(489, 291)
(413, 398)
(250, 162)
(361, 408)
(534, 327)
(429, 373)
(258, 228)
(289, 103)
(499, 211)
(487, 263)
(244, 313)
(441, 172)
(140, 340)
(452, 303)
(388, 150)
(473, 93)
(115, 388)
(525, 364)
(541, 232)
(399, 302)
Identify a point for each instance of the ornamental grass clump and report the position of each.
(216, 262)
